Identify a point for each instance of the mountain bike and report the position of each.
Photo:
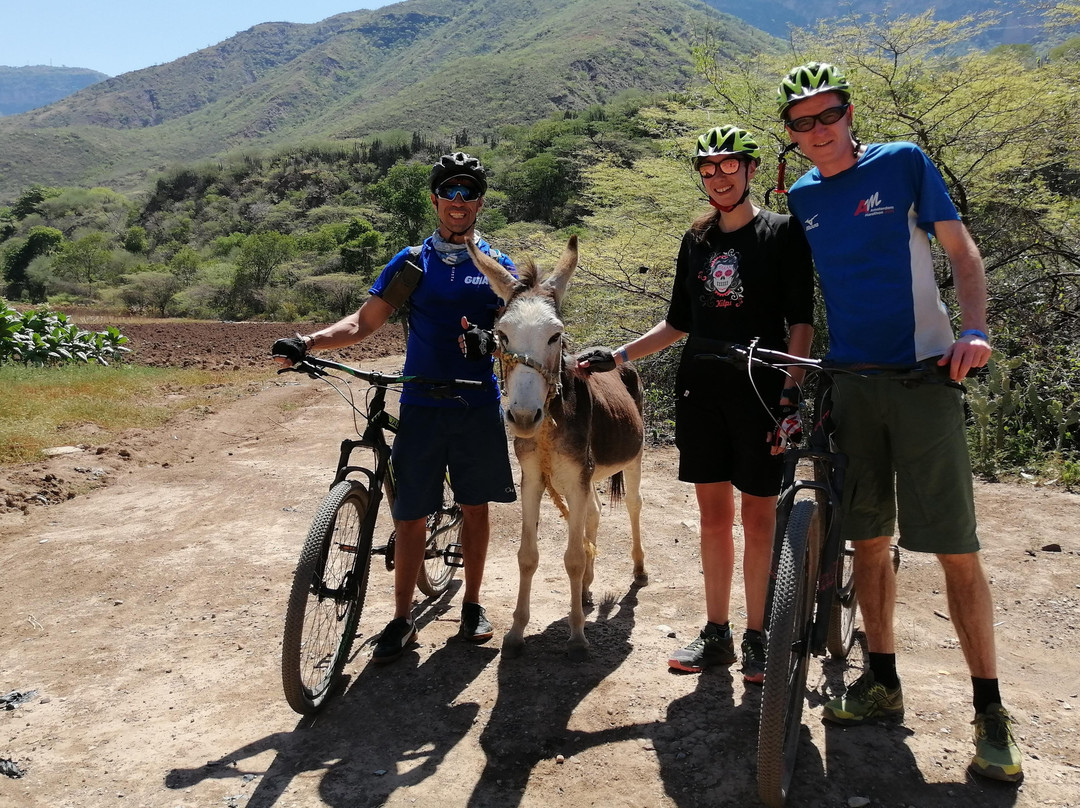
(811, 603)
(327, 596)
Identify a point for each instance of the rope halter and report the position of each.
(553, 378)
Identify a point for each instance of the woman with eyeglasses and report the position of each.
(464, 434)
(742, 274)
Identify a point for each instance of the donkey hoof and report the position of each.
(512, 647)
(641, 579)
(577, 653)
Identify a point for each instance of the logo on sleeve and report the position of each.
(873, 206)
(811, 223)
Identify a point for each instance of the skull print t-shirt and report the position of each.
(754, 282)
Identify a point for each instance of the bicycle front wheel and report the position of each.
(443, 534)
(327, 597)
(787, 652)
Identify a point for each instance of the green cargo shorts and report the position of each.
(908, 463)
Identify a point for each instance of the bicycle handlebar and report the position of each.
(733, 353)
(316, 367)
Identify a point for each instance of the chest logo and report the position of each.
(873, 206)
(722, 281)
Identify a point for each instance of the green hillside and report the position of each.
(1016, 23)
(423, 65)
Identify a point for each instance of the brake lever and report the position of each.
(308, 370)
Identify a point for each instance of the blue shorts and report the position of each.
(469, 441)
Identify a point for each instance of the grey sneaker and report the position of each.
(753, 657)
(996, 753)
(474, 623)
(710, 648)
(395, 638)
(866, 700)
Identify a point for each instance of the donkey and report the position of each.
(570, 430)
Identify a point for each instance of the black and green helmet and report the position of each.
(458, 164)
(726, 139)
(808, 80)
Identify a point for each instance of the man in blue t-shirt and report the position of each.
(464, 434)
(868, 213)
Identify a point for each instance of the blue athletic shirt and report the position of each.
(869, 229)
(444, 295)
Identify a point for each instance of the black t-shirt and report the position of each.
(754, 282)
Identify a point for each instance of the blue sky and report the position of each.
(117, 36)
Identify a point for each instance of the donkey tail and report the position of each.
(618, 488)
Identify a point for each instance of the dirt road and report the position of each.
(147, 616)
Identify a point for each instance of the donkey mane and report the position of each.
(531, 284)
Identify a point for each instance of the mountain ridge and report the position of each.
(25, 88)
(418, 65)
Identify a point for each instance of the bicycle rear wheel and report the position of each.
(443, 531)
(787, 651)
(327, 597)
(842, 614)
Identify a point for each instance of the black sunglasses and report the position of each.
(729, 165)
(466, 192)
(827, 117)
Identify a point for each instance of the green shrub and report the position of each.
(44, 337)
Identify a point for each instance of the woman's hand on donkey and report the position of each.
(596, 360)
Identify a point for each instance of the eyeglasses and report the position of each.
(807, 122)
(466, 192)
(729, 165)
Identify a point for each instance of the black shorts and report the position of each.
(724, 434)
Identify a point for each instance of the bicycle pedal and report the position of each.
(452, 556)
(388, 551)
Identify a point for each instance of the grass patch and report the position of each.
(45, 407)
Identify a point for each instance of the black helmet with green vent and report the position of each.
(727, 140)
(458, 165)
(808, 80)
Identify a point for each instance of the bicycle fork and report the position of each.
(826, 491)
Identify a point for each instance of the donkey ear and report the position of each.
(502, 282)
(559, 279)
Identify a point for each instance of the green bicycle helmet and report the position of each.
(809, 80)
(458, 164)
(726, 139)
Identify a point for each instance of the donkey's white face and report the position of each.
(530, 337)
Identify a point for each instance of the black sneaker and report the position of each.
(710, 648)
(395, 638)
(753, 657)
(474, 623)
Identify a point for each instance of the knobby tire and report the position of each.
(787, 651)
(842, 615)
(327, 597)
(443, 529)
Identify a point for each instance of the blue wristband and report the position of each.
(974, 332)
(624, 355)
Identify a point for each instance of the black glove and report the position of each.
(600, 359)
(292, 348)
(476, 342)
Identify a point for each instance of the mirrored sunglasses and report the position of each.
(827, 117)
(729, 165)
(466, 192)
